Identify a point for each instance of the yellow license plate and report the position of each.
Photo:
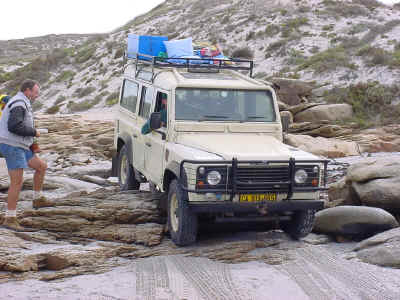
(257, 197)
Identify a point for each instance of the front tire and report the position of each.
(126, 174)
(300, 225)
(182, 223)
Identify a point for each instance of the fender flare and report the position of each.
(174, 167)
(127, 140)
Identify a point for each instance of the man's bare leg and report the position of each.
(40, 167)
(16, 181)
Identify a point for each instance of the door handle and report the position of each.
(135, 136)
(148, 144)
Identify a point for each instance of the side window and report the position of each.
(162, 106)
(129, 95)
(145, 102)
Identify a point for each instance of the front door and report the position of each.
(146, 98)
(154, 144)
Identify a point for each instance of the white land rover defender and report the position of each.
(216, 149)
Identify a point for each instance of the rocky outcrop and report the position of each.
(293, 92)
(354, 221)
(376, 182)
(322, 146)
(382, 139)
(382, 249)
(329, 112)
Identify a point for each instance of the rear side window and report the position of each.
(145, 102)
(129, 95)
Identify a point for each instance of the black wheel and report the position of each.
(300, 225)
(126, 175)
(182, 223)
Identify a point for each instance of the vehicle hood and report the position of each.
(249, 146)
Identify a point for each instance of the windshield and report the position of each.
(224, 105)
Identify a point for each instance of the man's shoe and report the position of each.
(41, 202)
(12, 223)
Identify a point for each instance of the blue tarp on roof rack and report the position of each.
(150, 45)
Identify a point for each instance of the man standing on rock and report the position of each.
(17, 132)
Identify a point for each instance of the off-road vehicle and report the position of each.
(219, 154)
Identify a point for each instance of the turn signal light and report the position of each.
(314, 182)
(200, 183)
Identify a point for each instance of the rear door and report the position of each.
(127, 126)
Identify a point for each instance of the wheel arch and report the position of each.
(126, 140)
(172, 171)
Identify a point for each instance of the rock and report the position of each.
(317, 239)
(383, 139)
(372, 168)
(383, 193)
(328, 131)
(331, 148)
(282, 106)
(355, 221)
(303, 127)
(330, 112)
(376, 182)
(340, 193)
(295, 109)
(95, 179)
(292, 91)
(382, 249)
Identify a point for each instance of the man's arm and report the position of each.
(16, 123)
(146, 127)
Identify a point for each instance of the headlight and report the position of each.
(214, 177)
(300, 176)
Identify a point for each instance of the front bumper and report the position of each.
(263, 207)
(255, 177)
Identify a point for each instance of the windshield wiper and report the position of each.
(255, 117)
(206, 117)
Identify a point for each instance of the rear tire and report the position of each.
(300, 225)
(126, 174)
(182, 223)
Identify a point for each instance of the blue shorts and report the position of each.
(16, 157)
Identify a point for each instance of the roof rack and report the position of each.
(195, 65)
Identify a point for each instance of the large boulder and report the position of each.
(293, 91)
(382, 249)
(330, 112)
(355, 221)
(376, 182)
(331, 148)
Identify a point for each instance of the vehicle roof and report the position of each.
(171, 78)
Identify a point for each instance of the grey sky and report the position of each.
(27, 18)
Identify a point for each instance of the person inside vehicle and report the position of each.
(161, 106)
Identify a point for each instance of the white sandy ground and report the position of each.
(316, 272)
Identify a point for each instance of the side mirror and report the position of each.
(155, 121)
(285, 119)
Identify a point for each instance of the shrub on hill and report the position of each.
(39, 69)
(373, 103)
(328, 60)
(244, 52)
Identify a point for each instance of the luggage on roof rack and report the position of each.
(192, 64)
(145, 44)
